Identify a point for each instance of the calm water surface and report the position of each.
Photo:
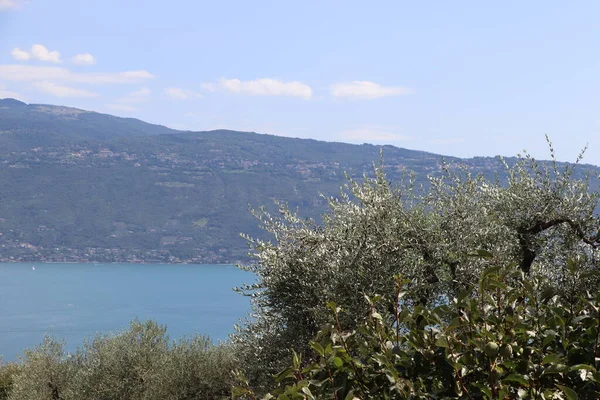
(75, 301)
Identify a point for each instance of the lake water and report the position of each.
(75, 301)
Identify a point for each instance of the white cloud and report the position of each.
(120, 107)
(366, 90)
(62, 91)
(37, 52)
(373, 134)
(30, 73)
(5, 93)
(20, 55)
(137, 96)
(181, 94)
(6, 5)
(84, 59)
(41, 53)
(262, 87)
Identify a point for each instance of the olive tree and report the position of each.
(533, 215)
(122, 366)
(138, 363)
(7, 373)
(194, 369)
(45, 373)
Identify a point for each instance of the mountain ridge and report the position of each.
(113, 189)
(155, 129)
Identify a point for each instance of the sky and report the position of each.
(466, 78)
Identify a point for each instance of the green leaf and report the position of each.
(490, 271)
(332, 305)
(285, 374)
(296, 360)
(547, 340)
(556, 369)
(238, 391)
(577, 367)
(486, 390)
(442, 341)
(550, 358)
(318, 348)
(307, 392)
(454, 323)
(338, 362)
(495, 283)
(516, 378)
(350, 395)
(547, 293)
(570, 393)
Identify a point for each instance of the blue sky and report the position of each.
(459, 78)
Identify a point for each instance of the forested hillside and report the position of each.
(84, 186)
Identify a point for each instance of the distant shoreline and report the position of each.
(108, 263)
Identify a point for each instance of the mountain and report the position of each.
(24, 126)
(85, 186)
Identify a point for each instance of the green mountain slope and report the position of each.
(83, 186)
(24, 126)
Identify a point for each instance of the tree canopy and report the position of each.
(536, 216)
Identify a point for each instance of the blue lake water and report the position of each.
(76, 301)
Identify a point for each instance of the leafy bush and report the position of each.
(538, 219)
(140, 363)
(123, 366)
(7, 373)
(517, 339)
(45, 373)
(195, 369)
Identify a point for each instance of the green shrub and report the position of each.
(195, 369)
(537, 217)
(45, 373)
(7, 373)
(139, 363)
(121, 366)
(518, 339)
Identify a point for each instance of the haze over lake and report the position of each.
(75, 301)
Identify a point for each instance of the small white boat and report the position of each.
(33, 268)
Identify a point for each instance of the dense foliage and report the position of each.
(520, 339)
(7, 373)
(140, 363)
(537, 219)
